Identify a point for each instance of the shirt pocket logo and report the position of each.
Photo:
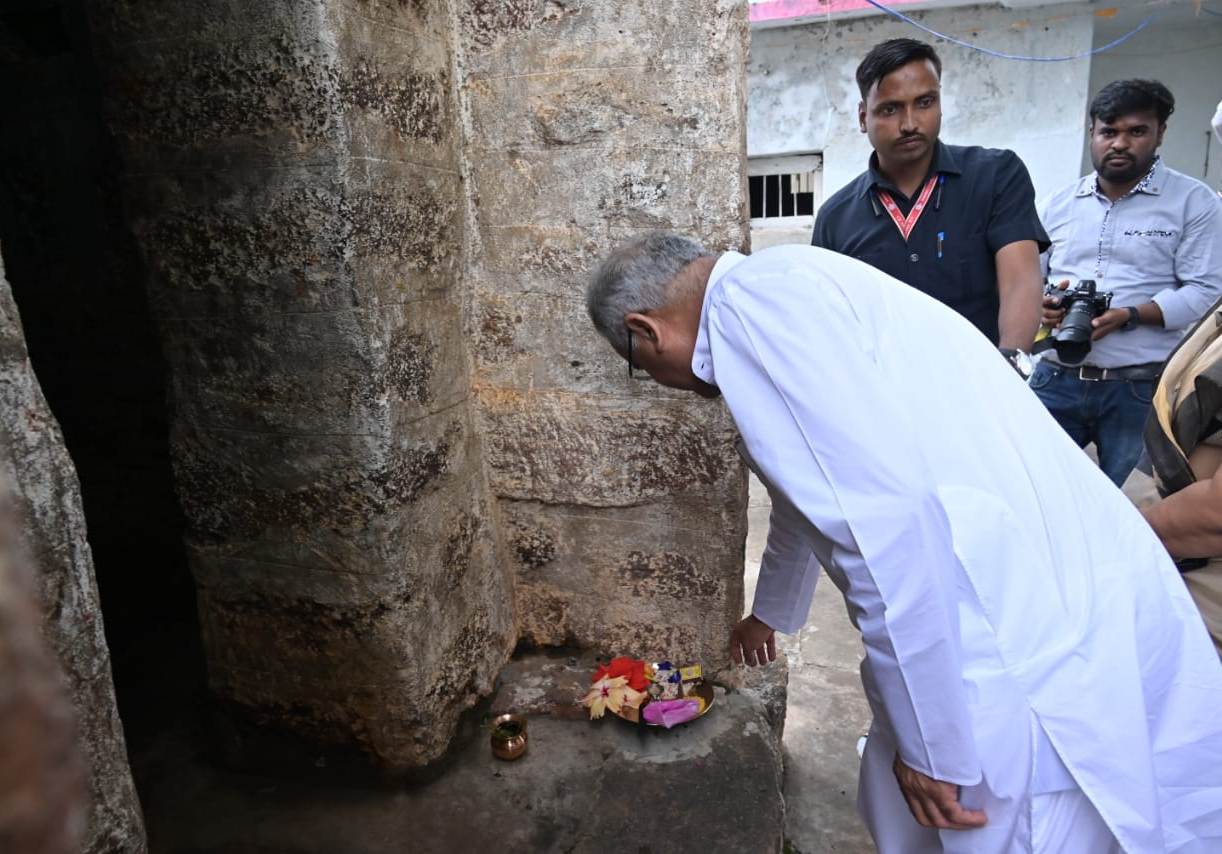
(1151, 232)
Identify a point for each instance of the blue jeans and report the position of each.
(1110, 413)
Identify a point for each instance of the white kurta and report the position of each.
(1014, 607)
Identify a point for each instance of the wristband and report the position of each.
(1134, 319)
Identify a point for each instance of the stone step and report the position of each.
(713, 784)
(710, 785)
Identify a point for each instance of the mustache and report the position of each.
(910, 136)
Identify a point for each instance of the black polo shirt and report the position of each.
(984, 201)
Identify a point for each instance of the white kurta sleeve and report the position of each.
(788, 571)
(803, 378)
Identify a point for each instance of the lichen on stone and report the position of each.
(409, 365)
(534, 547)
(668, 574)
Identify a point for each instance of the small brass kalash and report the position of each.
(509, 737)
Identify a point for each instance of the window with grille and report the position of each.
(785, 191)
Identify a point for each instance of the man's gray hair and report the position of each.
(634, 278)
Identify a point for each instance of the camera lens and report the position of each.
(1073, 338)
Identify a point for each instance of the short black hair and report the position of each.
(1125, 97)
(887, 56)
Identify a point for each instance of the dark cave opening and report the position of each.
(77, 280)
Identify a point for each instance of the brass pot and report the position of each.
(509, 737)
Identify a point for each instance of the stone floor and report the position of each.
(826, 714)
(712, 785)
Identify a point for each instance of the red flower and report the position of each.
(633, 669)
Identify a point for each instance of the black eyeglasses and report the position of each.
(632, 368)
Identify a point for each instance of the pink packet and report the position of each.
(668, 713)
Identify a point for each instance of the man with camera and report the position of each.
(956, 222)
(1149, 237)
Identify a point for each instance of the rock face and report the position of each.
(587, 123)
(42, 799)
(293, 187)
(45, 496)
(335, 201)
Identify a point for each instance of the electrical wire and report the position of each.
(1092, 52)
(1211, 12)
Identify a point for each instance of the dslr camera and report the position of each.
(1082, 304)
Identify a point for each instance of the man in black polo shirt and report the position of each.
(956, 222)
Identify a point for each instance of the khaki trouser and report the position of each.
(1205, 585)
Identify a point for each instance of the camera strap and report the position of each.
(1043, 341)
(907, 223)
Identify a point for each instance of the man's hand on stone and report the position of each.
(1051, 316)
(752, 642)
(934, 803)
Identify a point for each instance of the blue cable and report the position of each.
(1211, 12)
(901, 16)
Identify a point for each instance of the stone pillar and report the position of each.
(38, 486)
(292, 180)
(587, 123)
(41, 778)
(332, 198)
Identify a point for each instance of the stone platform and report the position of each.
(714, 784)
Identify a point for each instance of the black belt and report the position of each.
(1091, 373)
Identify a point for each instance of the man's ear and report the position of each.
(861, 115)
(646, 330)
(1162, 129)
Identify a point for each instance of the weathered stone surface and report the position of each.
(587, 123)
(227, 85)
(294, 188)
(46, 497)
(563, 448)
(583, 786)
(331, 199)
(42, 792)
(625, 520)
(770, 686)
(651, 578)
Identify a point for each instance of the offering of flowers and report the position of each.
(637, 672)
(659, 694)
(614, 693)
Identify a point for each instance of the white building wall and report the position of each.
(1184, 51)
(802, 96)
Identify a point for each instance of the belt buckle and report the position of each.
(1083, 375)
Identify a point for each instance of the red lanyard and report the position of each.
(907, 223)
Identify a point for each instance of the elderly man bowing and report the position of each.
(1039, 677)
